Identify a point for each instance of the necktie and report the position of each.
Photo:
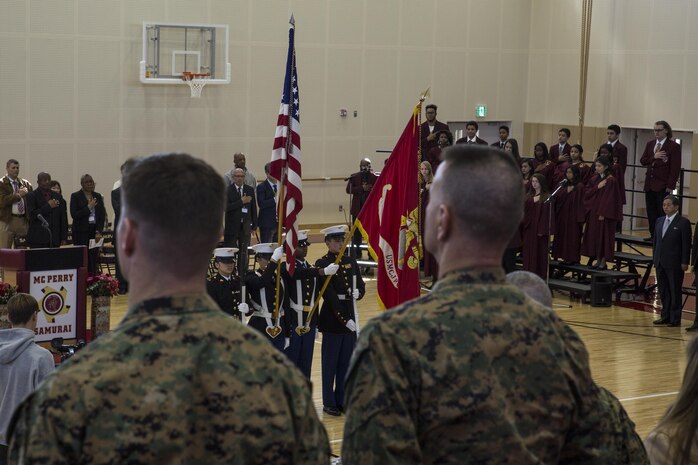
(657, 147)
(562, 147)
(240, 191)
(666, 226)
(274, 186)
(20, 204)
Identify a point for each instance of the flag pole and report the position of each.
(301, 330)
(276, 329)
(418, 108)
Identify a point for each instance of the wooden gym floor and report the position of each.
(639, 363)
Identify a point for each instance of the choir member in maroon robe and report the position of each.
(426, 177)
(527, 172)
(604, 206)
(569, 218)
(512, 146)
(444, 139)
(535, 230)
(543, 164)
(576, 159)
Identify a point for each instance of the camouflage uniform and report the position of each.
(178, 382)
(473, 373)
(226, 293)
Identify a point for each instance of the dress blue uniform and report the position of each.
(338, 322)
(262, 297)
(225, 291)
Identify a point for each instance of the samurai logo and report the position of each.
(53, 303)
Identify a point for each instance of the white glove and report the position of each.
(355, 294)
(330, 269)
(278, 253)
(351, 326)
(243, 308)
(287, 342)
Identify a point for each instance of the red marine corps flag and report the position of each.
(286, 156)
(389, 220)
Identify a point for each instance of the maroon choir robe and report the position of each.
(618, 171)
(547, 169)
(434, 158)
(527, 186)
(534, 236)
(599, 236)
(570, 215)
(555, 152)
(427, 145)
(561, 170)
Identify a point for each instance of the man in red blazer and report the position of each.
(561, 151)
(430, 130)
(662, 157)
(471, 137)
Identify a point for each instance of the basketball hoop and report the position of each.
(196, 82)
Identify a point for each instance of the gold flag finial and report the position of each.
(424, 95)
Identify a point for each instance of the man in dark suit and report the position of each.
(359, 185)
(240, 217)
(471, 128)
(503, 137)
(429, 130)
(662, 157)
(89, 215)
(54, 217)
(266, 199)
(694, 263)
(672, 251)
(561, 151)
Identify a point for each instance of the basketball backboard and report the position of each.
(170, 49)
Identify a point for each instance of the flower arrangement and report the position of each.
(7, 291)
(102, 285)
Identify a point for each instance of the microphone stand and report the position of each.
(50, 234)
(551, 205)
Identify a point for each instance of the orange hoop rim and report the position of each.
(188, 75)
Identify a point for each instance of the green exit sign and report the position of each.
(481, 111)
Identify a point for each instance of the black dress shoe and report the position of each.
(660, 321)
(692, 328)
(674, 325)
(334, 411)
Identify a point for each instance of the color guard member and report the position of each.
(224, 288)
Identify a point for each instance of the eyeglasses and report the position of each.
(659, 130)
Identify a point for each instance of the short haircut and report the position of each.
(566, 131)
(127, 165)
(614, 127)
(669, 132)
(533, 286)
(674, 199)
(84, 177)
(506, 128)
(493, 177)
(11, 161)
(472, 123)
(21, 307)
(267, 167)
(178, 202)
(55, 183)
(43, 175)
(431, 105)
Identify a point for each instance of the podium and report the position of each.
(57, 279)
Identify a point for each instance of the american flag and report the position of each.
(286, 156)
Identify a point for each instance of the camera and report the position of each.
(66, 351)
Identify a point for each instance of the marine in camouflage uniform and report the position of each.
(303, 289)
(261, 285)
(224, 287)
(338, 320)
(177, 381)
(475, 372)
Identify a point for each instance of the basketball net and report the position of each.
(196, 82)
